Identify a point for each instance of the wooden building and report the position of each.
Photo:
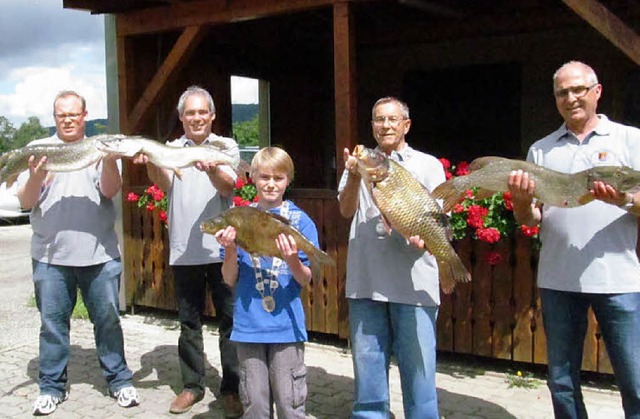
(475, 73)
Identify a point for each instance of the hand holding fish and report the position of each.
(417, 242)
(607, 193)
(350, 163)
(287, 246)
(36, 169)
(226, 237)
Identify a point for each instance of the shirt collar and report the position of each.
(602, 129)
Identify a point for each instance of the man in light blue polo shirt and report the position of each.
(588, 256)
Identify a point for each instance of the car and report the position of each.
(9, 204)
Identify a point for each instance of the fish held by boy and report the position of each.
(61, 157)
(257, 230)
(173, 158)
(408, 207)
(491, 175)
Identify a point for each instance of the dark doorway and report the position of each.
(465, 112)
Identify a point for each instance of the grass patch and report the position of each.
(522, 380)
(79, 311)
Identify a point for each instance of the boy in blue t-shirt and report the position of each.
(269, 324)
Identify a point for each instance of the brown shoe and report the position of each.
(231, 405)
(185, 401)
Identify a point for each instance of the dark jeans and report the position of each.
(565, 324)
(190, 282)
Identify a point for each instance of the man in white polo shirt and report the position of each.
(588, 256)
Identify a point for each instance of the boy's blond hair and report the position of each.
(274, 158)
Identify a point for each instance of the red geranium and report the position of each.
(153, 198)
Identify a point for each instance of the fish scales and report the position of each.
(257, 230)
(61, 157)
(411, 210)
(491, 175)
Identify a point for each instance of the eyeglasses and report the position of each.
(393, 120)
(71, 116)
(577, 91)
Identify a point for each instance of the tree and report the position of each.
(246, 133)
(29, 131)
(7, 132)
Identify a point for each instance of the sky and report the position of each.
(45, 49)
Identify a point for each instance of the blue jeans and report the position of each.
(380, 329)
(56, 293)
(565, 324)
(191, 282)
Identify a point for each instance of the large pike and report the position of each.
(61, 157)
(173, 158)
(491, 175)
(410, 209)
(257, 230)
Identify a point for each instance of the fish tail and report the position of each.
(452, 271)
(450, 193)
(319, 260)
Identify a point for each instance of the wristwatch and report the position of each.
(628, 204)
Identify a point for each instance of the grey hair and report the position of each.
(68, 93)
(195, 90)
(590, 73)
(390, 99)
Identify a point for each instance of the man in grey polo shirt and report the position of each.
(588, 256)
(74, 247)
(204, 191)
(392, 284)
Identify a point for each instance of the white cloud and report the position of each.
(45, 48)
(244, 90)
(36, 87)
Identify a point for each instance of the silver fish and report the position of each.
(61, 157)
(173, 158)
(491, 175)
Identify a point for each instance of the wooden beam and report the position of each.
(344, 63)
(202, 12)
(609, 25)
(179, 54)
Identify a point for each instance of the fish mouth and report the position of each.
(370, 163)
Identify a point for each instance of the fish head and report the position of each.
(623, 178)
(120, 145)
(372, 164)
(213, 225)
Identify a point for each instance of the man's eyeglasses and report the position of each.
(577, 91)
(393, 120)
(71, 116)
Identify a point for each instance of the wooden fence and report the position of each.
(496, 315)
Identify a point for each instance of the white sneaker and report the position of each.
(127, 396)
(46, 404)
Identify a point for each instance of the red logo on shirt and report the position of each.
(602, 156)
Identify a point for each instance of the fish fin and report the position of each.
(452, 271)
(280, 218)
(585, 199)
(481, 162)
(318, 261)
(178, 173)
(11, 180)
(482, 193)
(243, 169)
(449, 194)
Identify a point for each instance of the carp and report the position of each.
(257, 230)
(173, 158)
(491, 174)
(409, 208)
(61, 157)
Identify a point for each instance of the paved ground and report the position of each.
(466, 390)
